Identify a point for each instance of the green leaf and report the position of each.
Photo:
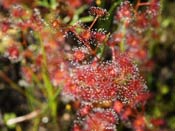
(7, 117)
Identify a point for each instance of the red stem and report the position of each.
(144, 4)
(141, 4)
(92, 24)
(93, 52)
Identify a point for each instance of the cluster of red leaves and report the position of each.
(130, 115)
(134, 25)
(30, 22)
(114, 85)
(96, 11)
(107, 90)
(97, 120)
(23, 19)
(8, 3)
(107, 81)
(13, 53)
(125, 12)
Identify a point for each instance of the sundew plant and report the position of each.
(81, 63)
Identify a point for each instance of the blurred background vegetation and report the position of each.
(161, 81)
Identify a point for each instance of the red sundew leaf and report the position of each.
(99, 36)
(85, 35)
(125, 64)
(85, 110)
(115, 39)
(75, 3)
(97, 11)
(100, 120)
(154, 22)
(158, 122)
(18, 11)
(57, 77)
(5, 26)
(139, 123)
(141, 20)
(125, 12)
(126, 114)
(133, 40)
(118, 106)
(135, 92)
(70, 87)
(141, 54)
(8, 3)
(39, 60)
(142, 98)
(76, 128)
(93, 83)
(26, 24)
(51, 45)
(106, 81)
(154, 7)
(27, 73)
(13, 52)
(135, 85)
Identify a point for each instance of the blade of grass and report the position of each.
(48, 85)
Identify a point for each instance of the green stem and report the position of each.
(48, 85)
(36, 124)
(86, 19)
(77, 13)
(104, 46)
(122, 43)
(53, 4)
